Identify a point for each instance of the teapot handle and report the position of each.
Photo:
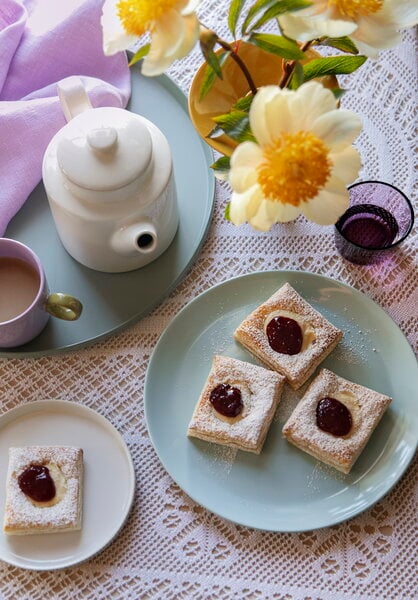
(73, 97)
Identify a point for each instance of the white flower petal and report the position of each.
(244, 206)
(246, 154)
(244, 161)
(371, 32)
(335, 27)
(337, 128)
(173, 37)
(154, 64)
(115, 37)
(378, 31)
(262, 220)
(242, 178)
(373, 52)
(152, 67)
(258, 113)
(328, 206)
(403, 12)
(311, 101)
(169, 33)
(269, 213)
(309, 28)
(373, 35)
(190, 7)
(278, 114)
(282, 212)
(346, 164)
(297, 28)
(191, 35)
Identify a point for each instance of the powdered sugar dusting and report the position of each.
(366, 408)
(289, 400)
(320, 472)
(21, 515)
(297, 368)
(222, 459)
(260, 390)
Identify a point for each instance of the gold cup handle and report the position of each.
(63, 306)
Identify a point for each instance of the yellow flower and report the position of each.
(372, 24)
(302, 162)
(172, 24)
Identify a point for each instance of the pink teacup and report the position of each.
(25, 301)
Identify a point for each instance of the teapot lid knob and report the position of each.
(102, 139)
(105, 149)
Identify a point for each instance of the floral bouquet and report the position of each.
(293, 151)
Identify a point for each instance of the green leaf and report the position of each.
(234, 12)
(143, 51)
(227, 212)
(278, 8)
(209, 76)
(221, 166)
(236, 124)
(342, 43)
(335, 65)
(213, 60)
(297, 78)
(255, 8)
(277, 44)
(210, 56)
(244, 103)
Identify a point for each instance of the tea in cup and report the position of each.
(25, 302)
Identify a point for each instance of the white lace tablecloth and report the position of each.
(171, 548)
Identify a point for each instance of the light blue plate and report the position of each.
(282, 489)
(112, 301)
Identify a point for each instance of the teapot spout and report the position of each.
(139, 238)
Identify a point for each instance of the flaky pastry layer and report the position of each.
(260, 390)
(299, 367)
(366, 408)
(22, 515)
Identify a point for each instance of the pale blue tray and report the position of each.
(113, 301)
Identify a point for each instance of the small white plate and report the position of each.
(109, 481)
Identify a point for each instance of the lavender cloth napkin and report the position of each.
(41, 43)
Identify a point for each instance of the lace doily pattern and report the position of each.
(171, 548)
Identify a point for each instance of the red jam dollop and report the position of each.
(333, 417)
(284, 335)
(37, 483)
(226, 400)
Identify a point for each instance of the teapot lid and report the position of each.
(104, 149)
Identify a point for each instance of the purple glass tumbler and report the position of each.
(378, 219)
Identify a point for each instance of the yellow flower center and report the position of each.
(139, 16)
(294, 168)
(355, 8)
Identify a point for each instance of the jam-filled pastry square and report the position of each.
(335, 419)
(288, 335)
(43, 490)
(237, 404)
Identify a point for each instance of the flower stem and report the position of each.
(226, 46)
(289, 67)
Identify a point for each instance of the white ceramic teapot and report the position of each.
(109, 179)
